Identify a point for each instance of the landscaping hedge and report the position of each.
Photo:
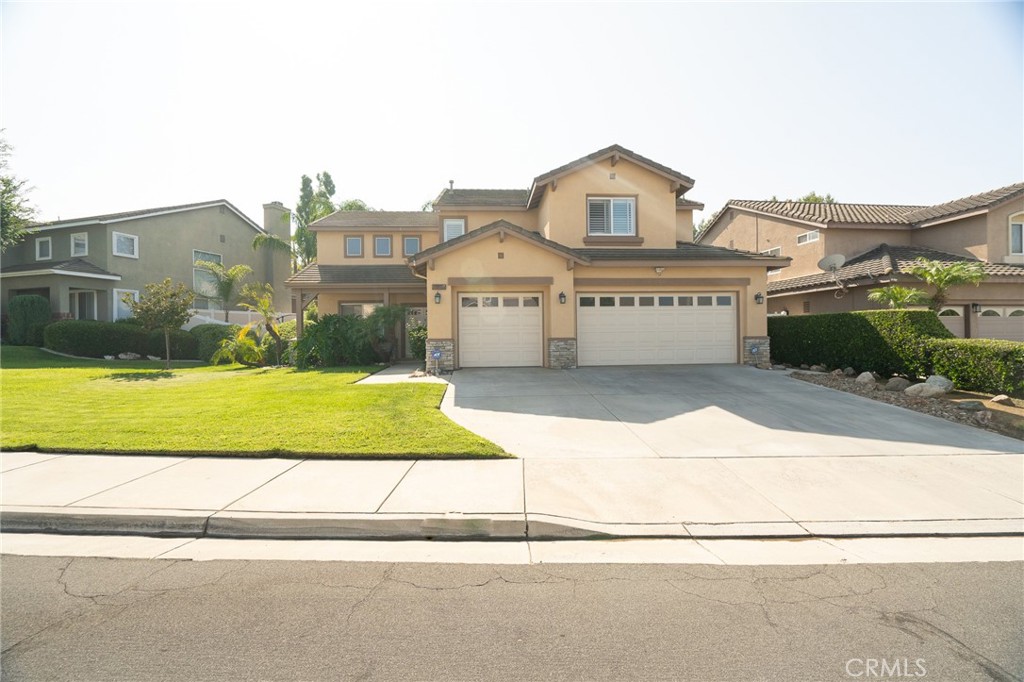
(92, 339)
(27, 316)
(209, 336)
(184, 346)
(987, 365)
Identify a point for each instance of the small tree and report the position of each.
(166, 305)
(260, 300)
(942, 276)
(15, 211)
(226, 282)
(897, 297)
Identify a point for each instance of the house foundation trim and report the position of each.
(757, 351)
(561, 353)
(446, 361)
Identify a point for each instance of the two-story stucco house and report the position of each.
(85, 266)
(592, 264)
(880, 243)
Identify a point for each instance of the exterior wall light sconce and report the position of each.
(561, 297)
(437, 297)
(759, 298)
(975, 307)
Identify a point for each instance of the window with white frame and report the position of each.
(611, 216)
(126, 245)
(82, 304)
(204, 283)
(44, 248)
(1017, 235)
(454, 227)
(774, 251)
(382, 247)
(807, 237)
(410, 246)
(353, 247)
(80, 245)
(121, 309)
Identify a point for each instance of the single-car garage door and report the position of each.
(656, 329)
(500, 330)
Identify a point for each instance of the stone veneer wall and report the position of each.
(562, 353)
(763, 355)
(447, 361)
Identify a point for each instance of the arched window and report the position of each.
(1019, 312)
(990, 312)
(949, 312)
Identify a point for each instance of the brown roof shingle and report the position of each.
(354, 274)
(824, 214)
(142, 213)
(482, 197)
(966, 204)
(71, 267)
(366, 219)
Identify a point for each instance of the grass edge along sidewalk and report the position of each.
(58, 404)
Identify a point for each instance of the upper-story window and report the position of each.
(126, 245)
(611, 216)
(353, 247)
(79, 244)
(1017, 235)
(410, 246)
(807, 237)
(382, 247)
(44, 248)
(204, 282)
(454, 227)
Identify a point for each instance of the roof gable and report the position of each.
(124, 216)
(502, 227)
(371, 219)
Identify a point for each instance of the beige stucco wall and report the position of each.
(684, 226)
(330, 245)
(565, 208)
(998, 229)
(478, 218)
(967, 237)
(757, 233)
(987, 293)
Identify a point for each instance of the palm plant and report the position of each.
(226, 282)
(897, 297)
(260, 300)
(942, 276)
(272, 242)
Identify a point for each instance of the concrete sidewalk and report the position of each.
(754, 497)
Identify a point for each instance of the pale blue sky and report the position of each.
(119, 106)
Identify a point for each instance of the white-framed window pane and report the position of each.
(204, 283)
(44, 248)
(126, 245)
(597, 216)
(454, 227)
(1017, 238)
(382, 246)
(410, 246)
(207, 256)
(121, 310)
(586, 301)
(807, 237)
(622, 217)
(80, 245)
(353, 247)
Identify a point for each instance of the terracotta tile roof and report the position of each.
(686, 203)
(70, 267)
(886, 261)
(482, 197)
(353, 274)
(142, 213)
(824, 214)
(967, 204)
(683, 251)
(371, 219)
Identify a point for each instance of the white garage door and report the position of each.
(500, 330)
(656, 329)
(1000, 323)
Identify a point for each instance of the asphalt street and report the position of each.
(115, 619)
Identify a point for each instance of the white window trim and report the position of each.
(83, 235)
(1017, 219)
(349, 254)
(611, 202)
(444, 228)
(419, 245)
(117, 294)
(807, 237)
(212, 253)
(113, 247)
(196, 259)
(49, 246)
(391, 250)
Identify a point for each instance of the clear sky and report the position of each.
(119, 106)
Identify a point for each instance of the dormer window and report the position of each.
(611, 216)
(454, 227)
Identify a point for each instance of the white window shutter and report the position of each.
(597, 216)
(622, 216)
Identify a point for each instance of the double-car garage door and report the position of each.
(507, 330)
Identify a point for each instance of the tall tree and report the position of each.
(313, 204)
(166, 305)
(942, 276)
(813, 197)
(15, 211)
(226, 282)
(897, 297)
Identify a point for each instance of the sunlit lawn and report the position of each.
(59, 404)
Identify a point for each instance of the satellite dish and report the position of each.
(832, 263)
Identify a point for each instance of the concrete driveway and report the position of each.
(687, 411)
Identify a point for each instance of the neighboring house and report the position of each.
(880, 244)
(84, 266)
(591, 265)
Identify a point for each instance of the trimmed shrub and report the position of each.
(26, 318)
(92, 339)
(209, 336)
(418, 341)
(184, 346)
(986, 365)
(334, 341)
(288, 330)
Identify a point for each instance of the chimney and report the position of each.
(277, 220)
(451, 184)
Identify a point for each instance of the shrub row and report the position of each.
(209, 336)
(27, 316)
(910, 342)
(92, 339)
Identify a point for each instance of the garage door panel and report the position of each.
(502, 330)
(663, 328)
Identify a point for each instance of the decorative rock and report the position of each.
(128, 356)
(763, 365)
(897, 384)
(838, 373)
(850, 372)
(971, 405)
(153, 357)
(1002, 400)
(984, 417)
(925, 390)
(109, 357)
(877, 376)
(818, 368)
(779, 366)
(942, 382)
(866, 378)
(804, 366)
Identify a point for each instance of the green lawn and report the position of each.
(51, 403)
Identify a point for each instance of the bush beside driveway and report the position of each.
(57, 404)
